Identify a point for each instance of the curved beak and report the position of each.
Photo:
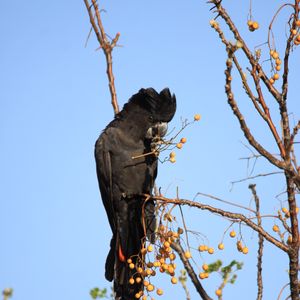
(159, 129)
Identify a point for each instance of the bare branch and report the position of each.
(260, 245)
(252, 141)
(237, 217)
(106, 46)
(256, 176)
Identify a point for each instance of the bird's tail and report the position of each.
(124, 273)
(117, 269)
(110, 260)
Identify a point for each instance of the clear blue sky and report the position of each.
(54, 102)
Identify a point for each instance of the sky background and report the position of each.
(54, 103)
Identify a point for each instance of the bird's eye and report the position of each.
(150, 118)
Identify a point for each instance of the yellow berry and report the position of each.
(275, 228)
(211, 250)
(166, 244)
(255, 25)
(146, 283)
(289, 240)
(218, 292)
(172, 160)
(183, 140)
(278, 61)
(201, 248)
(205, 267)
(131, 280)
(298, 37)
(148, 272)
(203, 275)
(275, 55)
(139, 270)
(174, 280)
(232, 234)
(162, 260)
(276, 76)
(250, 23)
(187, 254)
(156, 264)
(131, 266)
(294, 31)
(138, 279)
(150, 248)
(137, 295)
(221, 246)
(278, 68)
(297, 210)
(159, 292)
(179, 145)
(298, 23)
(150, 288)
(272, 80)
(129, 260)
(144, 297)
(172, 256)
(285, 210)
(245, 250)
(170, 269)
(197, 117)
(172, 154)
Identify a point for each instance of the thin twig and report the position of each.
(260, 245)
(256, 176)
(281, 291)
(224, 201)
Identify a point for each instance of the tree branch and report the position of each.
(237, 217)
(260, 245)
(106, 46)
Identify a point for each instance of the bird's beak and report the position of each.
(159, 129)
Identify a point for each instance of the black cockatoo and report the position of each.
(124, 174)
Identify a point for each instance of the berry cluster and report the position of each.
(275, 56)
(283, 218)
(159, 257)
(179, 145)
(296, 33)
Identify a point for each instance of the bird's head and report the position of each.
(157, 109)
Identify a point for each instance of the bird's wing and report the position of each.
(104, 174)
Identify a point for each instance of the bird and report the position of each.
(126, 166)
